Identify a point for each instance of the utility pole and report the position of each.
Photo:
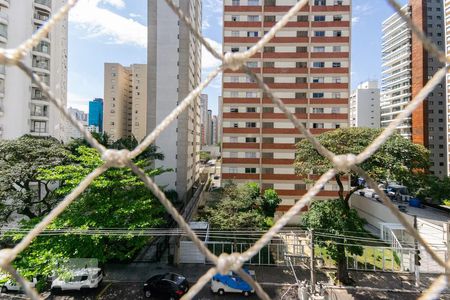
(416, 256)
(313, 278)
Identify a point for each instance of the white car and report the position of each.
(12, 285)
(87, 278)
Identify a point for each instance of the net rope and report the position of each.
(234, 61)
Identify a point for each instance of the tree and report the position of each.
(397, 159)
(21, 161)
(116, 199)
(431, 188)
(334, 217)
(243, 207)
(205, 156)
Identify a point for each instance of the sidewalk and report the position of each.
(273, 276)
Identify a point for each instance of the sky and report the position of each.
(103, 31)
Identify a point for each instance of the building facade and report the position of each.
(307, 65)
(204, 118)
(407, 67)
(125, 101)
(365, 105)
(214, 126)
(174, 56)
(23, 107)
(96, 113)
(71, 132)
(447, 79)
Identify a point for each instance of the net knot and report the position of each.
(228, 262)
(343, 163)
(6, 256)
(116, 158)
(233, 61)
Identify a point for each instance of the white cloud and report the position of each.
(99, 21)
(78, 102)
(355, 20)
(133, 15)
(208, 60)
(115, 3)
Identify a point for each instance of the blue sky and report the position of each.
(115, 31)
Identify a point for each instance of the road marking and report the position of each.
(103, 291)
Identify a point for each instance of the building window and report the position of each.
(234, 18)
(319, 33)
(318, 95)
(250, 170)
(252, 34)
(253, 18)
(319, 49)
(253, 2)
(250, 154)
(39, 126)
(320, 2)
(336, 65)
(319, 18)
(234, 110)
(250, 124)
(251, 109)
(318, 64)
(318, 110)
(318, 125)
(250, 140)
(235, 33)
(236, 2)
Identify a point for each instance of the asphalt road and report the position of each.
(133, 291)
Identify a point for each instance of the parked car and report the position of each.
(216, 177)
(169, 285)
(86, 278)
(12, 285)
(232, 283)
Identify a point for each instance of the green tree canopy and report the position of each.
(334, 217)
(242, 206)
(397, 159)
(22, 190)
(116, 199)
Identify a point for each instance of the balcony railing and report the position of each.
(42, 17)
(47, 3)
(43, 47)
(42, 65)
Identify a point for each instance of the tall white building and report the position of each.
(396, 71)
(365, 105)
(204, 118)
(71, 132)
(174, 70)
(23, 107)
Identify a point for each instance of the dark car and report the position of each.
(166, 286)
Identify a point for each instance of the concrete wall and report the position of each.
(374, 212)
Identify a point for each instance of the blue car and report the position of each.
(232, 283)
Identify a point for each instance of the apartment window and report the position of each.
(318, 80)
(337, 33)
(250, 140)
(234, 110)
(268, 80)
(319, 18)
(300, 110)
(233, 139)
(250, 124)
(338, 2)
(300, 79)
(250, 170)
(252, 64)
(302, 33)
(335, 110)
(235, 49)
(253, 2)
(338, 80)
(319, 49)
(318, 95)
(318, 125)
(320, 2)
(250, 154)
(336, 95)
(235, 125)
(253, 18)
(302, 18)
(235, 2)
(300, 187)
(233, 170)
(250, 95)
(301, 64)
(267, 125)
(268, 64)
(319, 33)
(318, 110)
(251, 109)
(252, 34)
(337, 18)
(39, 126)
(318, 64)
(268, 110)
(269, 19)
(336, 65)
(302, 49)
(235, 33)
(269, 49)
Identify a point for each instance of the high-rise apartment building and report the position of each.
(71, 132)
(174, 69)
(214, 126)
(125, 101)
(407, 67)
(23, 107)
(209, 125)
(203, 118)
(447, 80)
(365, 105)
(96, 114)
(307, 65)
